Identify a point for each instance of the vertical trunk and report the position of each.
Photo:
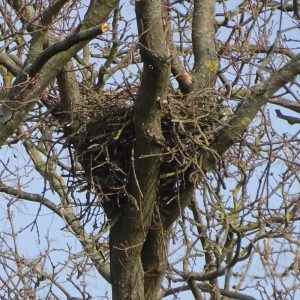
(129, 232)
(204, 44)
(155, 250)
(205, 69)
(154, 257)
(127, 275)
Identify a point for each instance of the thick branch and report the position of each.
(50, 13)
(69, 95)
(40, 30)
(286, 103)
(183, 78)
(128, 234)
(154, 257)
(260, 95)
(64, 45)
(155, 249)
(204, 44)
(9, 64)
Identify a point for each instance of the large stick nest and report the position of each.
(108, 139)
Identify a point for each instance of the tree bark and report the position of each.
(129, 232)
(26, 90)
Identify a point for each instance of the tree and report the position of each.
(152, 124)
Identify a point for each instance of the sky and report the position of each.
(33, 240)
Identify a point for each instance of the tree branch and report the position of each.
(260, 95)
(40, 30)
(9, 64)
(183, 78)
(291, 120)
(128, 234)
(25, 92)
(206, 288)
(204, 44)
(64, 45)
(69, 96)
(286, 103)
(50, 12)
(30, 197)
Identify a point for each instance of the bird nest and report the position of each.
(189, 124)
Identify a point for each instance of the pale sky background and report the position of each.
(32, 242)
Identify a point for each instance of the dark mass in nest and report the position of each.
(106, 149)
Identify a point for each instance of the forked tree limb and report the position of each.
(129, 232)
(25, 92)
(259, 96)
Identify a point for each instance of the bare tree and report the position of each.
(163, 136)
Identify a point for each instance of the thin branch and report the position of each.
(24, 93)
(30, 197)
(206, 288)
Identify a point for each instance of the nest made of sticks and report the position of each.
(188, 124)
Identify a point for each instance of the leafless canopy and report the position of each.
(152, 145)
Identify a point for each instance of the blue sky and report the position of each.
(32, 242)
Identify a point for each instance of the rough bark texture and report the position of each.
(26, 90)
(141, 223)
(126, 265)
(260, 94)
(204, 44)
